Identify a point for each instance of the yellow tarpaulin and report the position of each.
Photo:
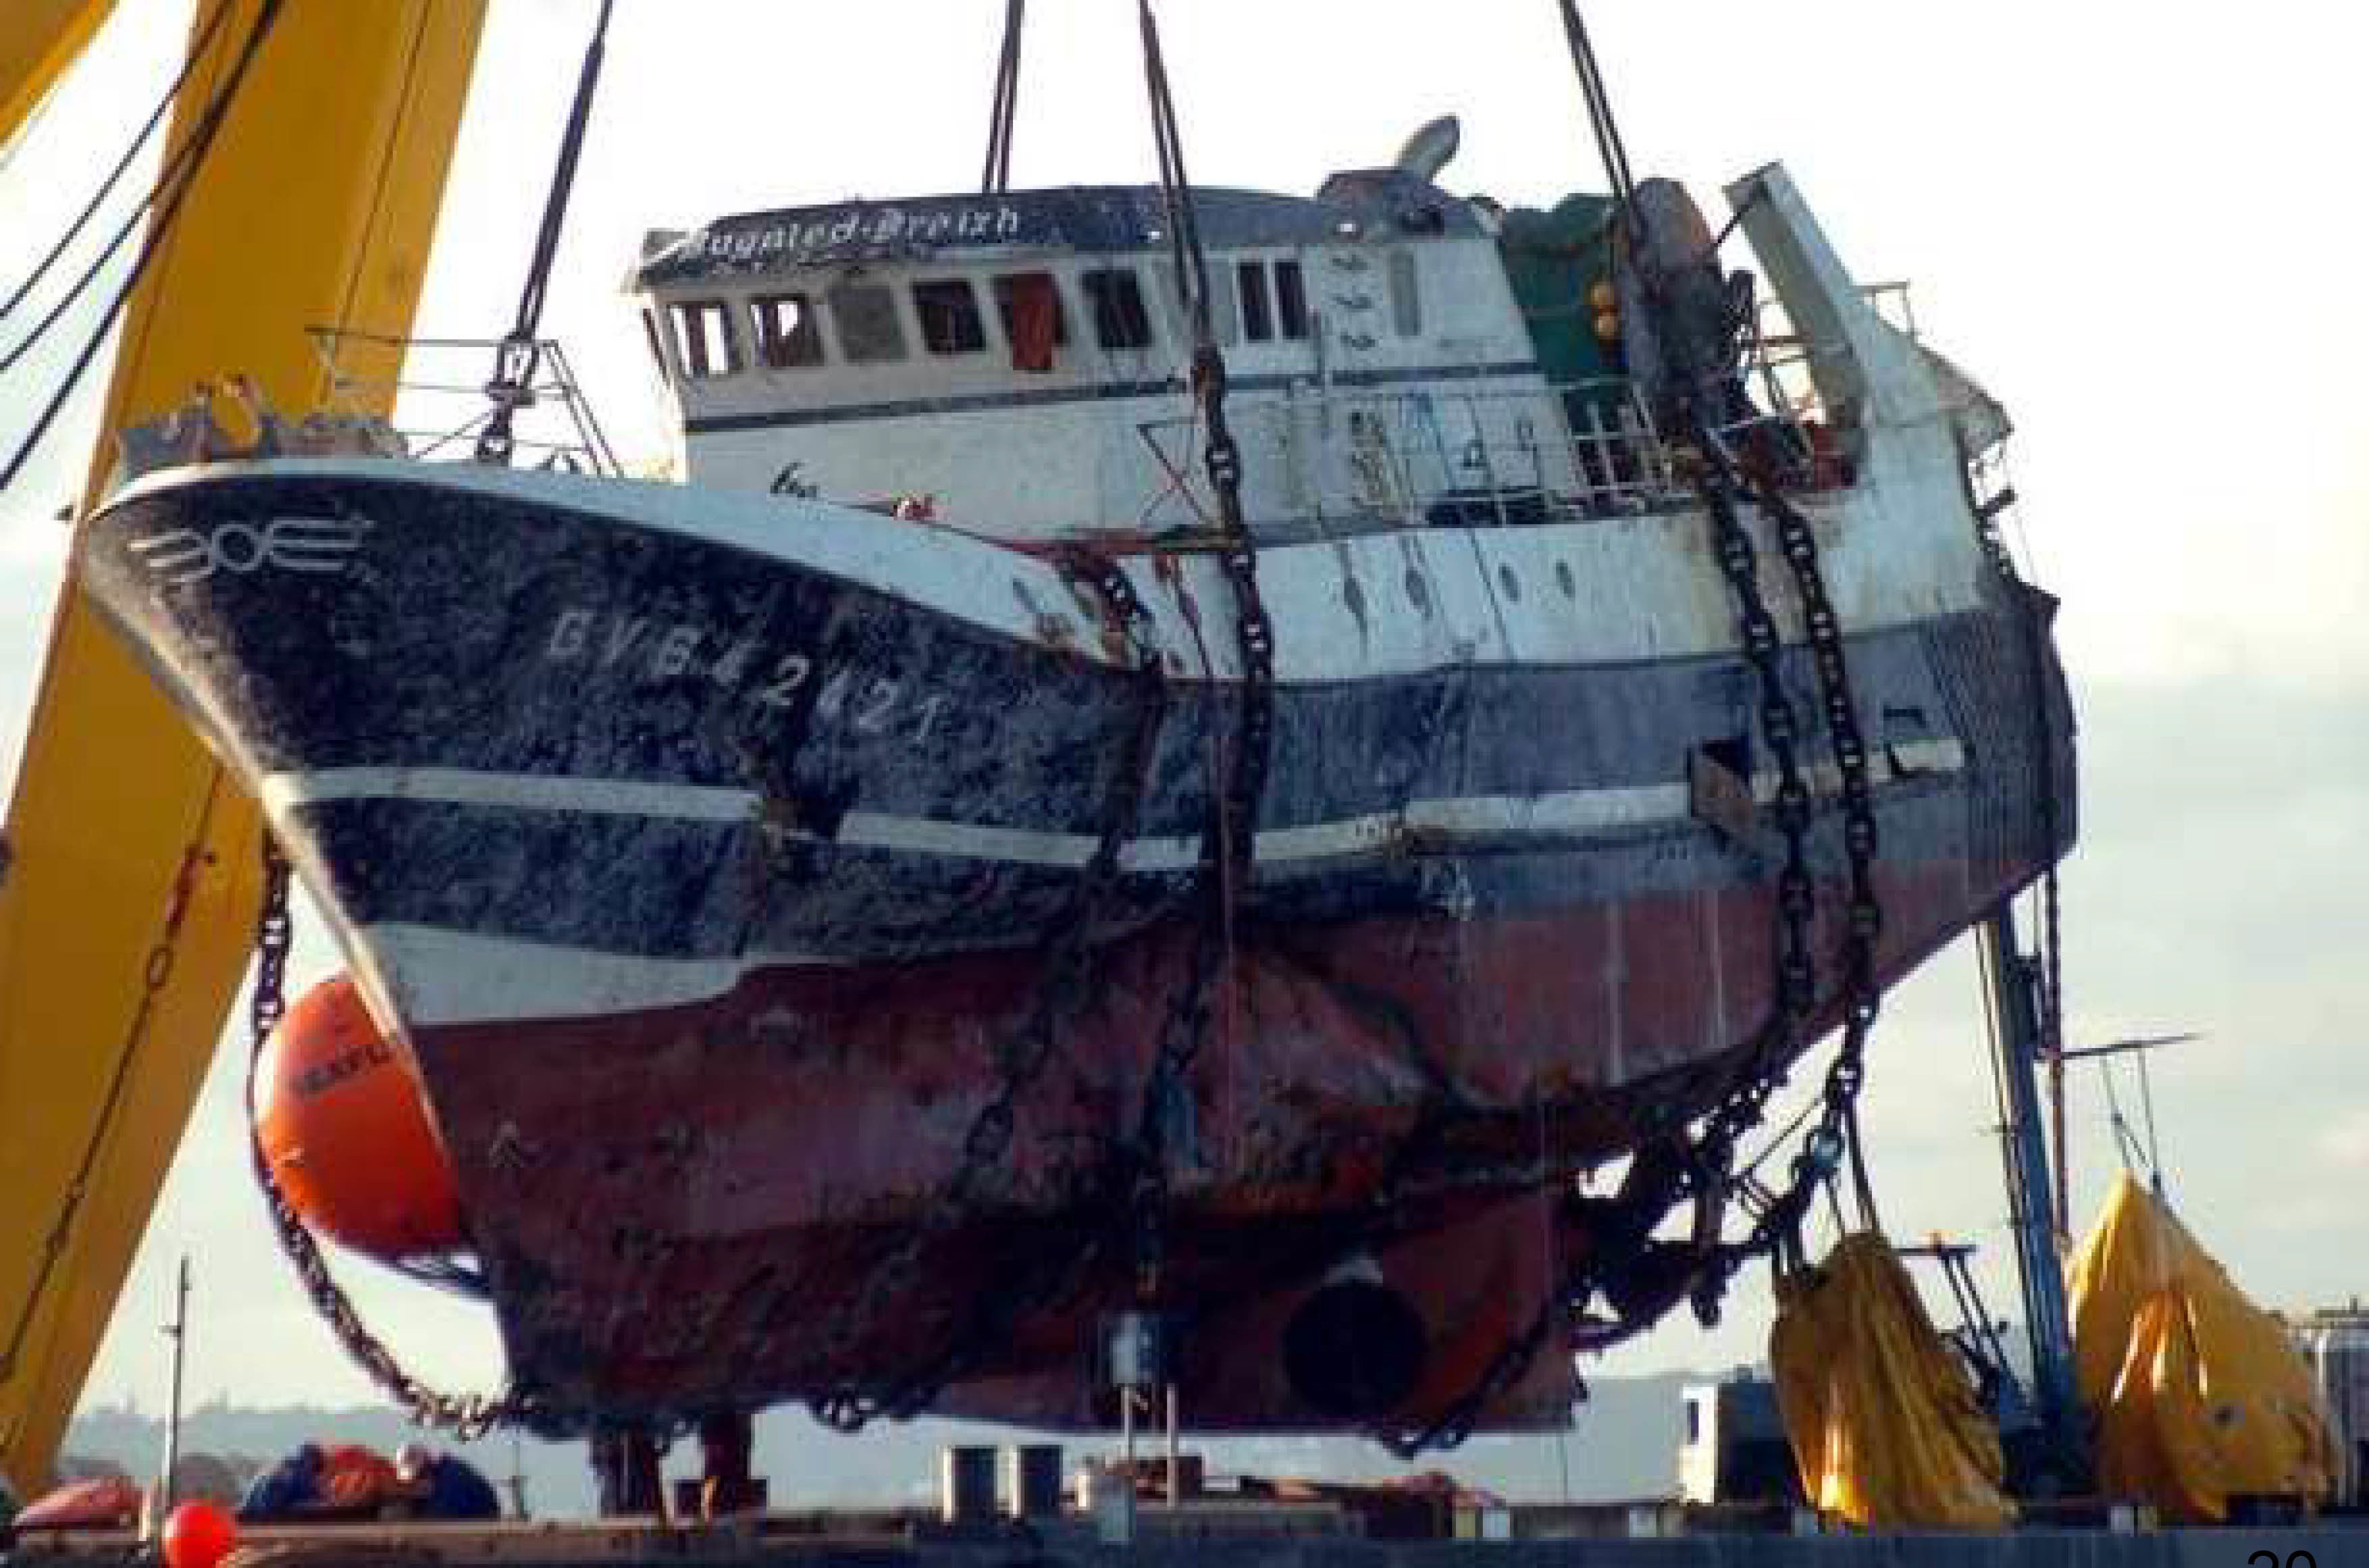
(2198, 1394)
(1880, 1416)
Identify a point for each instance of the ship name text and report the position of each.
(873, 229)
(771, 676)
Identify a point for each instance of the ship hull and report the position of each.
(709, 863)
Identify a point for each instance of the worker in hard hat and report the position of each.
(443, 1486)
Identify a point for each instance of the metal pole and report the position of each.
(518, 1478)
(2155, 1153)
(2046, 1317)
(1175, 1466)
(178, 1330)
(2063, 1154)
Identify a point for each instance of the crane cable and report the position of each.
(996, 178)
(1599, 109)
(519, 355)
(156, 974)
(1797, 543)
(182, 170)
(199, 46)
(1229, 838)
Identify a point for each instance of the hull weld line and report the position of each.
(1478, 815)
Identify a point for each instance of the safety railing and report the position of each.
(446, 395)
(1446, 454)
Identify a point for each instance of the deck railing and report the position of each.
(437, 415)
(444, 396)
(1487, 456)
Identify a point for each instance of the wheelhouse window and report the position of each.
(788, 331)
(1029, 305)
(1258, 309)
(1290, 300)
(1223, 318)
(865, 315)
(1274, 300)
(1116, 298)
(704, 342)
(1406, 302)
(948, 311)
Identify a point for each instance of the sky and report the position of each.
(2137, 225)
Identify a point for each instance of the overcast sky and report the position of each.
(2139, 225)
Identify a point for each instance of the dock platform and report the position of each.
(1304, 1538)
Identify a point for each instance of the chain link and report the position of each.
(1020, 1058)
(1139, 1174)
(466, 1416)
(1833, 1139)
(1701, 1163)
(155, 975)
(1228, 845)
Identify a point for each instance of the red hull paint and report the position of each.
(679, 1207)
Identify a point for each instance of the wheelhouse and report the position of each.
(1018, 362)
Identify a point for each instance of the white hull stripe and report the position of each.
(436, 977)
(1485, 816)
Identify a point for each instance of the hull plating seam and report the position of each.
(1554, 812)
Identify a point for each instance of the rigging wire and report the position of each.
(519, 355)
(199, 47)
(996, 178)
(397, 128)
(183, 171)
(2126, 1141)
(1599, 108)
(2155, 1149)
(1184, 227)
(157, 974)
(179, 170)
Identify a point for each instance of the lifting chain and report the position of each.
(519, 355)
(1452, 1427)
(466, 1416)
(155, 975)
(1833, 1138)
(1021, 1054)
(1703, 1165)
(1227, 847)
(1230, 837)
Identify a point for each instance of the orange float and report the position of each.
(197, 1535)
(341, 1122)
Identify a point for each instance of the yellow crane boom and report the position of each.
(37, 40)
(315, 206)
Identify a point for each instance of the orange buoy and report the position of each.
(197, 1535)
(341, 1120)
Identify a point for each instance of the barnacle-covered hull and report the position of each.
(707, 851)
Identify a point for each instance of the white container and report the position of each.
(2336, 1346)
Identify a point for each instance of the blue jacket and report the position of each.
(455, 1490)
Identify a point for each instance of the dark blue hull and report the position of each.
(705, 882)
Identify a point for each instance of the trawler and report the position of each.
(962, 864)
